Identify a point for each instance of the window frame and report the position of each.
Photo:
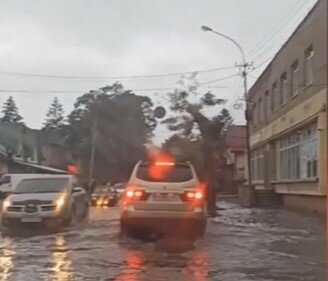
(286, 149)
(283, 89)
(275, 97)
(309, 61)
(295, 73)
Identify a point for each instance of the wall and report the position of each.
(55, 156)
(308, 203)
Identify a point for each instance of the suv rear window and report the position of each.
(164, 173)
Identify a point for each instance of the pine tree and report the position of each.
(10, 112)
(55, 116)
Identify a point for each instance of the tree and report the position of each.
(10, 112)
(124, 126)
(184, 149)
(191, 119)
(55, 116)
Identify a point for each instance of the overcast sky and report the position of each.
(134, 37)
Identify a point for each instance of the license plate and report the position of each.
(165, 196)
(36, 219)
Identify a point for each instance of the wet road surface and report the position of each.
(241, 244)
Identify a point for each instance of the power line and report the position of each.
(289, 18)
(219, 79)
(84, 91)
(72, 77)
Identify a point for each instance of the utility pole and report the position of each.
(93, 148)
(244, 67)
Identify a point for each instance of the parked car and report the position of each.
(165, 198)
(53, 200)
(9, 182)
(104, 196)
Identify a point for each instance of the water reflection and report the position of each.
(134, 262)
(158, 265)
(62, 269)
(198, 265)
(6, 259)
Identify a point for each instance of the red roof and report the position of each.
(236, 138)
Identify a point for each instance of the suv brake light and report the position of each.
(136, 195)
(190, 196)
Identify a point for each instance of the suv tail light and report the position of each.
(191, 196)
(136, 195)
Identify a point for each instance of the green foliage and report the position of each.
(55, 116)
(184, 149)
(189, 107)
(10, 112)
(190, 120)
(124, 125)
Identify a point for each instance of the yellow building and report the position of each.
(288, 117)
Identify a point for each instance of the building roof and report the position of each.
(236, 138)
(41, 167)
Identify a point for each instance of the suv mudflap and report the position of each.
(186, 228)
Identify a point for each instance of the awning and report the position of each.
(45, 168)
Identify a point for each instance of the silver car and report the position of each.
(54, 200)
(166, 198)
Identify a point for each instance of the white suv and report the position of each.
(52, 200)
(166, 198)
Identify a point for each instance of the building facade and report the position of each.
(235, 158)
(288, 117)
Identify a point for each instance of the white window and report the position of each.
(257, 164)
(295, 79)
(309, 66)
(298, 154)
(274, 97)
(283, 89)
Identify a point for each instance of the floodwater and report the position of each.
(240, 244)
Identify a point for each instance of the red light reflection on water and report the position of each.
(134, 263)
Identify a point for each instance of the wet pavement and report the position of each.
(240, 244)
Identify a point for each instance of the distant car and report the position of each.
(119, 187)
(53, 200)
(165, 198)
(104, 196)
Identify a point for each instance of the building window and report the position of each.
(260, 110)
(267, 104)
(298, 154)
(274, 97)
(254, 114)
(295, 79)
(283, 89)
(309, 66)
(257, 164)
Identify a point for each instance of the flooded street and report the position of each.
(240, 244)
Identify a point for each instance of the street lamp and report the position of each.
(244, 67)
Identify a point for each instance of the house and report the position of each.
(235, 168)
(24, 150)
(288, 117)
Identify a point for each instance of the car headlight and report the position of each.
(60, 202)
(6, 204)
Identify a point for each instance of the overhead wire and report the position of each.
(276, 31)
(99, 78)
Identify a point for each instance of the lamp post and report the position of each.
(244, 67)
